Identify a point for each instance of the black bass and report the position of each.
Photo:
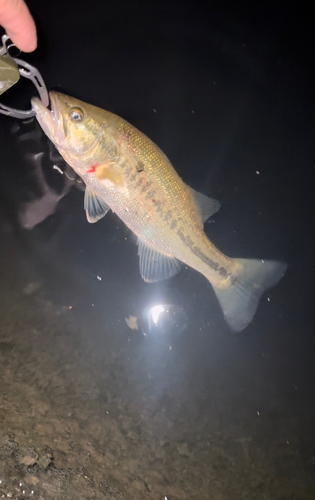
(126, 172)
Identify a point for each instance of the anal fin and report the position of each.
(155, 266)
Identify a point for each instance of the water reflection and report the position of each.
(35, 211)
(41, 179)
(165, 319)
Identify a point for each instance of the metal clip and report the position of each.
(27, 71)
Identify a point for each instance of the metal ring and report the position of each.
(31, 73)
(3, 49)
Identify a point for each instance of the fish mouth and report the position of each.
(51, 120)
(54, 108)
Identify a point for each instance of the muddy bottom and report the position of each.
(93, 409)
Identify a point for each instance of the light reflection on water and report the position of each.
(165, 319)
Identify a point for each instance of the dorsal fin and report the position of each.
(207, 206)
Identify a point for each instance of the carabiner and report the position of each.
(29, 72)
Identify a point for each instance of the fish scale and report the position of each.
(163, 185)
(170, 189)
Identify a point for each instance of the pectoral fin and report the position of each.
(155, 266)
(107, 171)
(207, 206)
(94, 206)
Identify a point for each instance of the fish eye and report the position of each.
(76, 114)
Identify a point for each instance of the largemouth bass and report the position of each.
(126, 172)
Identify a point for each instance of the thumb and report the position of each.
(19, 24)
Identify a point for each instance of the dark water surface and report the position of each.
(186, 410)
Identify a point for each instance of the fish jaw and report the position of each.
(51, 121)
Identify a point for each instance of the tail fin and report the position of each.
(240, 301)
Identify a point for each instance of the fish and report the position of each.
(125, 171)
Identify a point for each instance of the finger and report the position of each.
(19, 24)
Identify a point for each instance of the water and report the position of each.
(178, 408)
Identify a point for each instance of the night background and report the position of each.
(184, 409)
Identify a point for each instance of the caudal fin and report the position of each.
(240, 301)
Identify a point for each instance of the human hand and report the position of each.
(19, 24)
